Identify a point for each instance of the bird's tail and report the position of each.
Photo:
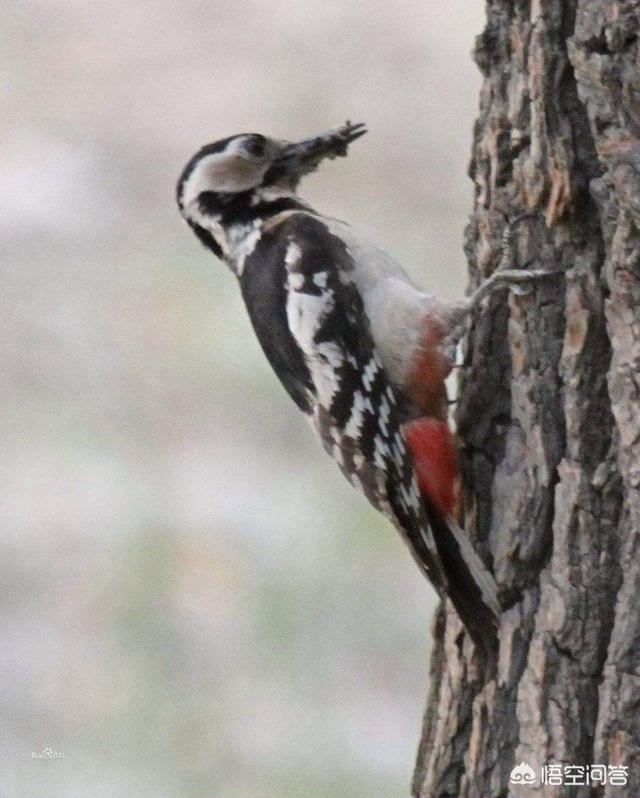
(469, 585)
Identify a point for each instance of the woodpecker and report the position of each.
(360, 349)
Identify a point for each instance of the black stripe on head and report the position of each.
(276, 173)
(243, 212)
(208, 149)
(232, 209)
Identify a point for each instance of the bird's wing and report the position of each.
(356, 410)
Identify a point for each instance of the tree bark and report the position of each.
(549, 415)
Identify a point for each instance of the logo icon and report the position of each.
(522, 774)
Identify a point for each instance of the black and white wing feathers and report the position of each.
(319, 342)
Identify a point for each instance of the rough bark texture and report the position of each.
(549, 413)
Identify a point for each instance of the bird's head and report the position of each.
(231, 181)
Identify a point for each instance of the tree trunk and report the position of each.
(549, 418)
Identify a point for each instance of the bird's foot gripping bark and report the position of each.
(505, 275)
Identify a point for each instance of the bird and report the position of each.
(358, 346)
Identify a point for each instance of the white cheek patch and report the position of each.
(224, 172)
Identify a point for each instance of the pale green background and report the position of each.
(194, 603)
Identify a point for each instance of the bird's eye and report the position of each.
(254, 146)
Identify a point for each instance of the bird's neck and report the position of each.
(235, 225)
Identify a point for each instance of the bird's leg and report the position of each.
(503, 276)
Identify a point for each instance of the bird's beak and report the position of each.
(303, 157)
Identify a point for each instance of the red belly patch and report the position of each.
(434, 456)
(425, 380)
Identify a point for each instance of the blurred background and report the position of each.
(195, 604)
